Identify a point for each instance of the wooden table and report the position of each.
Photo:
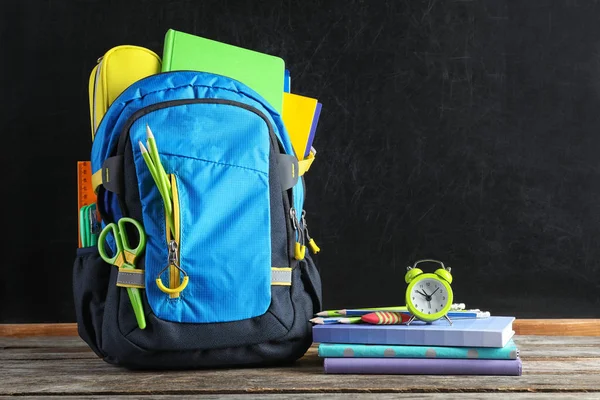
(553, 367)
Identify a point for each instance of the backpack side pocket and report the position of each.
(90, 285)
(312, 281)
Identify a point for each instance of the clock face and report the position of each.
(429, 298)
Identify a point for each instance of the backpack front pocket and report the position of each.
(217, 154)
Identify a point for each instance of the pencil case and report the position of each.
(118, 68)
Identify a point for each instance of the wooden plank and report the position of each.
(358, 396)
(530, 347)
(39, 342)
(557, 327)
(38, 366)
(82, 377)
(553, 341)
(24, 330)
(544, 327)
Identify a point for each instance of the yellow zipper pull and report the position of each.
(173, 261)
(313, 246)
(299, 248)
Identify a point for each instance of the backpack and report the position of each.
(233, 286)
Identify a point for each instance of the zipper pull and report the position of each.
(299, 248)
(313, 246)
(173, 248)
(173, 258)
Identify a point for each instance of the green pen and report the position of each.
(162, 177)
(149, 162)
(342, 312)
(162, 189)
(156, 158)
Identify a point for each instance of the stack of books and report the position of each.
(470, 346)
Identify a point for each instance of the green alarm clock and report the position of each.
(428, 295)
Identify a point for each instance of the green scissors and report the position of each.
(125, 257)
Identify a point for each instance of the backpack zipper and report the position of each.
(174, 240)
(96, 79)
(311, 243)
(299, 246)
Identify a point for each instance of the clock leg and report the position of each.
(448, 319)
(412, 318)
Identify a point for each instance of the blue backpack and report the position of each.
(233, 285)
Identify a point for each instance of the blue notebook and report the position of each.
(480, 332)
(330, 350)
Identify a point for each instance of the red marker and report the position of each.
(385, 318)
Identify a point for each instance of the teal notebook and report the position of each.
(508, 352)
(263, 73)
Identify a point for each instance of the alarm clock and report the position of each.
(428, 295)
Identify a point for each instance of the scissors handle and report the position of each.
(110, 228)
(124, 252)
(126, 246)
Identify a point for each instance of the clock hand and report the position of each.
(422, 294)
(434, 291)
(427, 296)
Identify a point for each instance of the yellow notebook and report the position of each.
(298, 114)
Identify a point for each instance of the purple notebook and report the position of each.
(422, 366)
(313, 128)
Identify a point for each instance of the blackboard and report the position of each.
(464, 131)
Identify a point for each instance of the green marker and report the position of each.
(156, 158)
(162, 189)
(162, 178)
(342, 312)
(149, 162)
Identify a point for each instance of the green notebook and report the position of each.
(263, 73)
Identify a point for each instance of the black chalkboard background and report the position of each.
(466, 131)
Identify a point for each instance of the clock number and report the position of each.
(444, 298)
(427, 283)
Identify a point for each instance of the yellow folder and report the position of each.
(298, 113)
